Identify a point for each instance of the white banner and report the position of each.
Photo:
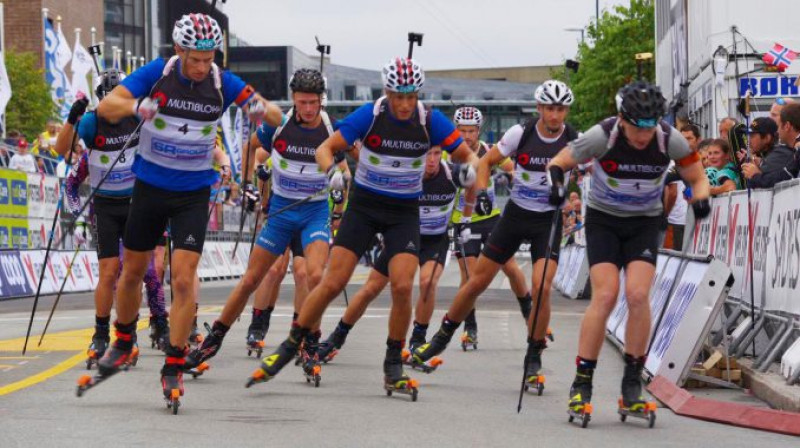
(761, 208)
(707, 229)
(91, 265)
(32, 263)
(738, 226)
(205, 269)
(720, 235)
(235, 262)
(783, 252)
(220, 260)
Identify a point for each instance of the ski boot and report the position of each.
(98, 347)
(395, 379)
(172, 378)
(159, 332)
(195, 362)
(195, 337)
(329, 348)
(272, 364)
(256, 333)
(632, 403)
(417, 340)
(525, 306)
(533, 366)
(117, 358)
(580, 402)
(310, 365)
(424, 357)
(470, 337)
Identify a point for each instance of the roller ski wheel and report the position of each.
(536, 383)
(327, 351)
(257, 377)
(195, 338)
(199, 370)
(404, 385)
(86, 382)
(97, 348)
(582, 412)
(416, 364)
(172, 386)
(645, 410)
(256, 347)
(469, 339)
(312, 374)
(272, 364)
(114, 361)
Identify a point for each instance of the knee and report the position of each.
(401, 290)
(183, 284)
(637, 299)
(250, 281)
(332, 286)
(425, 283)
(313, 277)
(605, 298)
(107, 278)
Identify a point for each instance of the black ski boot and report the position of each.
(116, 358)
(395, 379)
(159, 332)
(259, 325)
(632, 403)
(272, 364)
(424, 357)
(533, 366)
(329, 348)
(470, 335)
(311, 365)
(196, 359)
(172, 377)
(99, 344)
(525, 305)
(580, 393)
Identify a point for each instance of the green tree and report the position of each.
(31, 105)
(607, 60)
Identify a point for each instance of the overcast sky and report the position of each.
(458, 33)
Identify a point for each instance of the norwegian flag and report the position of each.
(779, 57)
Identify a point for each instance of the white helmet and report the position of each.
(554, 92)
(468, 116)
(403, 75)
(197, 32)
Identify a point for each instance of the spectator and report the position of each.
(77, 153)
(721, 171)
(789, 134)
(725, 126)
(675, 206)
(692, 135)
(702, 149)
(777, 106)
(46, 142)
(768, 156)
(22, 160)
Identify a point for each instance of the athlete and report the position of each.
(109, 209)
(295, 177)
(397, 131)
(180, 101)
(527, 216)
(631, 154)
(435, 207)
(472, 230)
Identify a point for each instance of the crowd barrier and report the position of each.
(20, 270)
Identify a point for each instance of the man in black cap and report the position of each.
(771, 155)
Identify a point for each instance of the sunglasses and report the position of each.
(780, 102)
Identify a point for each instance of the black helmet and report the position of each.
(108, 80)
(641, 104)
(307, 80)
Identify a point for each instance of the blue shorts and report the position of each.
(309, 221)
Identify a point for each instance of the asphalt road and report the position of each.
(470, 401)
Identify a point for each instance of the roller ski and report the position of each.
(425, 357)
(329, 348)
(550, 334)
(195, 363)
(172, 379)
(534, 380)
(256, 333)
(580, 402)
(116, 359)
(312, 369)
(395, 379)
(195, 337)
(272, 364)
(632, 403)
(469, 338)
(98, 347)
(159, 332)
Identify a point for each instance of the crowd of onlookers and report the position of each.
(38, 155)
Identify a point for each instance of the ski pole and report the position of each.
(50, 238)
(413, 38)
(245, 168)
(547, 254)
(60, 292)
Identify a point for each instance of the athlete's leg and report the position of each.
(104, 293)
(260, 262)
(155, 291)
(516, 279)
(604, 279)
(638, 279)
(429, 275)
(268, 291)
(331, 285)
(130, 283)
(376, 282)
(479, 279)
(543, 320)
(301, 287)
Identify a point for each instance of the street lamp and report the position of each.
(577, 30)
(721, 61)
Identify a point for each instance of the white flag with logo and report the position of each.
(63, 53)
(5, 85)
(81, 66)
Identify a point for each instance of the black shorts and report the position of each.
(611, 239)
(152, 208)
(431, 247)
(296, 245)
(480, 234)
(517, 225)
(369, 213)
(110, 216)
